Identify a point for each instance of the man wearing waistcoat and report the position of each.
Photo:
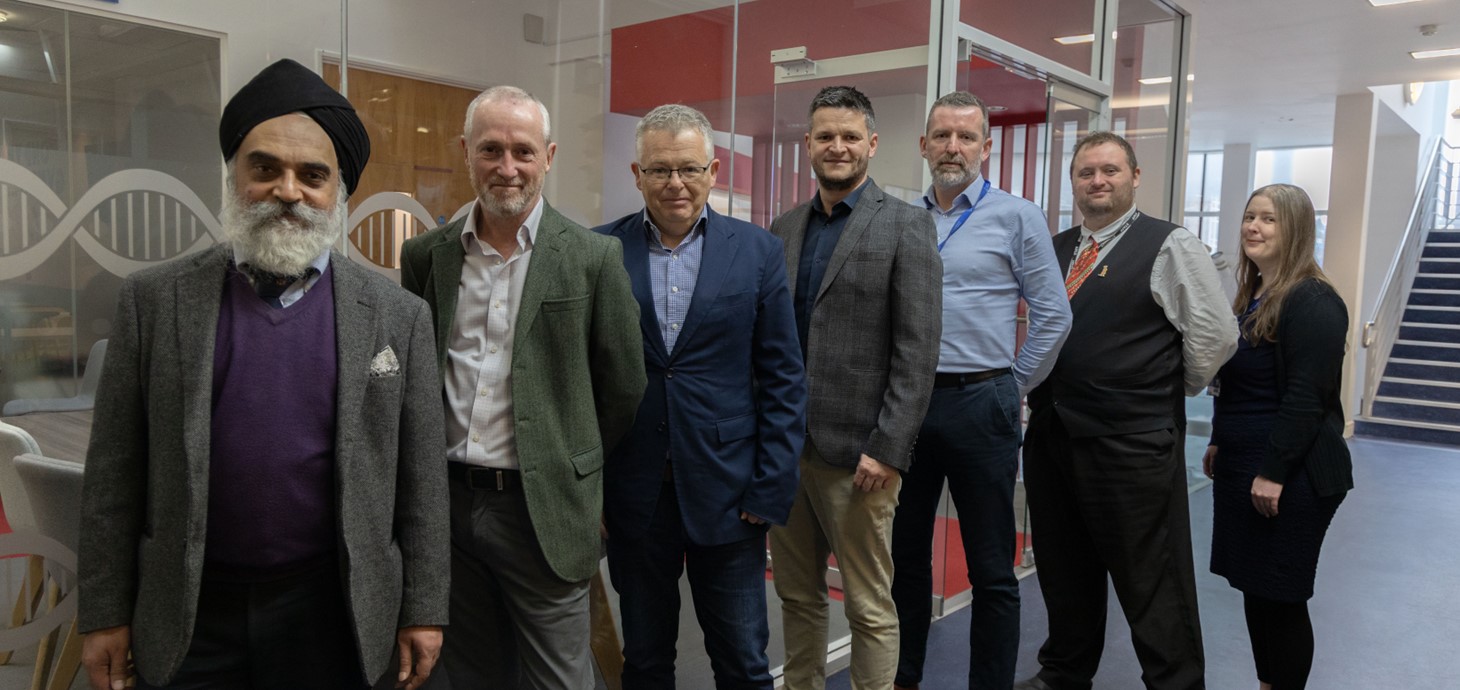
(538, 338)
(868, 305)
(264, 504)
(1103, 454)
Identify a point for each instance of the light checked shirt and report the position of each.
(479, 423)
(673, 274)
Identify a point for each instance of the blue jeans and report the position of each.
(970, 437)
(727, 582)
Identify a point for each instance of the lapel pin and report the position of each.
(1104, 269)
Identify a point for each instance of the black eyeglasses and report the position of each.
(689, 173)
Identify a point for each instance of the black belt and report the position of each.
(484, 478)
(955, 380)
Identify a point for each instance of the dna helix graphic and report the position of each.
(136, 218)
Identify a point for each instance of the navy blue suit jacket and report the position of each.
(728, 408)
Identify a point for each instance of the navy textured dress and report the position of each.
(1273, 558)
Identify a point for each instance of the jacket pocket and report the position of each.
(735, 428)
(588, 461)
(565, 304)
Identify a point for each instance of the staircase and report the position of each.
(1417, 396)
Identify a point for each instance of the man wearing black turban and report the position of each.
(264, 503)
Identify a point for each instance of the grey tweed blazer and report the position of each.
(145, 500)
(872, 349)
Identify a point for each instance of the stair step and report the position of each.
(1416, 314)
(1443, 236)
(1436, 333)
(1417, 410)
(1442, 266)
(1434, 298)
(1422, 370)
(1437, 281)
(1413, 349)
(1412, 389)
(1379, 427)
(1441, 250)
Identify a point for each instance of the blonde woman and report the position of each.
(1277, 453)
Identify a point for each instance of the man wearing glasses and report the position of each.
(711, 459)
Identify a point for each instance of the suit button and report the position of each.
(669, 374)
(663, 427)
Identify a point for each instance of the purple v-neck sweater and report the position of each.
(271, 478)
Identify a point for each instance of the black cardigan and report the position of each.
(1312, 331)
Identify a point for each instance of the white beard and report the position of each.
(265, 239)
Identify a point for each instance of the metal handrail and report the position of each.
(1382, 329)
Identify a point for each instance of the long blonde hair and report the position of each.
(1296, 232)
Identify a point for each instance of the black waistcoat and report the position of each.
(1120, 370)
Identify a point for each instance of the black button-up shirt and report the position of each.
(822, 233)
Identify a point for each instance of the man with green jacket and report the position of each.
(538, 335)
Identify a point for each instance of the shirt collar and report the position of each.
(320, 262)
(1106, 233)
(655, 235)
(850, 202)
(526, 234)
(964, 199)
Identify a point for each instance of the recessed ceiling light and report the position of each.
(1152, 81)
(1075, 40)
(1427, 54)
(1381, 3)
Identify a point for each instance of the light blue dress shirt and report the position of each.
(673, 274)
(1001, 253)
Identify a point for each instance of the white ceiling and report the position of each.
(1268, 71)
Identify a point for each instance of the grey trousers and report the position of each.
(514, 624)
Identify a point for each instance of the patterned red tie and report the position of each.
(1084, 265)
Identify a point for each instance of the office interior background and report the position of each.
(109, 160)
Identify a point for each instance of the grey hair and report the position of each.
(675, 118)
(960, 100)
(509, 94)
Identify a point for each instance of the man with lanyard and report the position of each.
(1104, 466)
(996, 249)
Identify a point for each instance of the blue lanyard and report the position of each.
(964, 218)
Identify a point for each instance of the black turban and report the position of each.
(287, 87)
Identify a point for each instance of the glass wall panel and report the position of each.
(108, 163)
(1203, 197)
(1147, 49)
(1063, 30)
(1308, 168)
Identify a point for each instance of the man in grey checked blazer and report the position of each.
(868, 298)
(265, 500)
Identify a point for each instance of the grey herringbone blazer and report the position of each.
(145, 501)
(872, 349)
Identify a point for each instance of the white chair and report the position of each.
(16, 515)
(85, 399)
(54, 487)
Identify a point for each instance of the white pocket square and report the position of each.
(385, 364)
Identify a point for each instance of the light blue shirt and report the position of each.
(1002, 253)
(673, 274)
